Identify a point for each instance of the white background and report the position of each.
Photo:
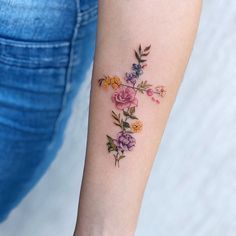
(192, 188)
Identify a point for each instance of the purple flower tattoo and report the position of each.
(125, 141)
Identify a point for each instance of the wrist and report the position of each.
(101, 230)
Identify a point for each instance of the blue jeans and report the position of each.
(46, 47)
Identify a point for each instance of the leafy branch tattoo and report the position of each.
(125, 100)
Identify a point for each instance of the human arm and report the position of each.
(110, 195)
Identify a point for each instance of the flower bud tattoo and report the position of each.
(125, 99)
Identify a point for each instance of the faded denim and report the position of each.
(46, 47)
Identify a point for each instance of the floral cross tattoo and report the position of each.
(126, 102)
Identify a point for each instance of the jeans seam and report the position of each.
(89, 15)
(68, 71)
(32, 63)
(29, 44)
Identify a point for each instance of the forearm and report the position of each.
(113, 185)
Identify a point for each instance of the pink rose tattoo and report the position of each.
(124, 98)
(126, 102)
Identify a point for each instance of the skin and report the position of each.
(111, 197)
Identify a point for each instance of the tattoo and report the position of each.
(125, 100)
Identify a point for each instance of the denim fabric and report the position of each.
(46, 48)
